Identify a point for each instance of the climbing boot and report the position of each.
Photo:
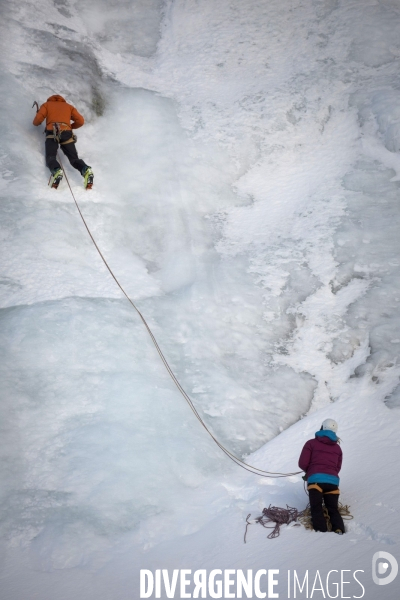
(339, 531)
(88, 178)
(55, 179)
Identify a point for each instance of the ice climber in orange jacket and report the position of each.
(59, 115)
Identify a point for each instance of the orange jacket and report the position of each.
(57, 110)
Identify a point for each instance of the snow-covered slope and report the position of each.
(247, 197)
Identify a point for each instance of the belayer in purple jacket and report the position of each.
(321, 459)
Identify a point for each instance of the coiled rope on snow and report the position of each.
(234, 458)
(285, 516)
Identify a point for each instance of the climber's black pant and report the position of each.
(328, 493)
(68, 149)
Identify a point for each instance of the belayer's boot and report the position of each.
(55, 179)
(88, 178)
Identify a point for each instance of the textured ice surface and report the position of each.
(123, 26)
(246, 195)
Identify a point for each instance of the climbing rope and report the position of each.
(234, 458)
(305, 516)
(284, 516)
(278, 516)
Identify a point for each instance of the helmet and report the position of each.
(330, 424)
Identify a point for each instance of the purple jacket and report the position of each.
(321, 455)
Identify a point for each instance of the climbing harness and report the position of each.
(56, 135)
(315, 486)
(235, 459)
